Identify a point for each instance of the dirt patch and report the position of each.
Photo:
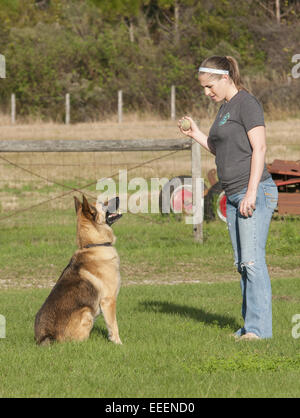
(130, 276)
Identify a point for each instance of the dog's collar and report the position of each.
(105, 244)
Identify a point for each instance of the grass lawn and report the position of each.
(36, 247)
(175, 337)
(175, 344)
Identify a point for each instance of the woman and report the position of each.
(237, 139)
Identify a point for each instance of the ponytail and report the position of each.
(234, 73)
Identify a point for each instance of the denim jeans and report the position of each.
(248, 237)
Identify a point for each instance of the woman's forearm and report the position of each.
(257, 138)
(201, 138)
(258, 142)
(257, 167)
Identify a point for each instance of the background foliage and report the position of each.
(93, 48)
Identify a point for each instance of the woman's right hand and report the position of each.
(193, 131)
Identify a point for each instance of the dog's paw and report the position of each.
(116, 340)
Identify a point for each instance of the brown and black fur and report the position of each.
(88, 285)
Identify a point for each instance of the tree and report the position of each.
(173, 6)
(171, 10)
(279, 9)
(127, 10)
(42, 4)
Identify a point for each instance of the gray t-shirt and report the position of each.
(229, 141)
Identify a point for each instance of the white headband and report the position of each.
(212, 70)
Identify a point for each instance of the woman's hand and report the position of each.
(193, 131)
(247, 205)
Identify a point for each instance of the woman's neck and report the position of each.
(232, 91)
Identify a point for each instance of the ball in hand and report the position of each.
(185, 124)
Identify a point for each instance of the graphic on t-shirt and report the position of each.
(224, 119)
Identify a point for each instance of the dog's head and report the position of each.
(100, 214)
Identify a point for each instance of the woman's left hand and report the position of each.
(247, 205)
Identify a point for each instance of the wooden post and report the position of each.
(97, 145)
(173, 104)
(120, 106)
(2, 326)
(13, 108)
(67, 109)
(2, 66)
(198, 186)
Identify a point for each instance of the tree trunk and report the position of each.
(277, 6)
(131, 32)
(176, 22)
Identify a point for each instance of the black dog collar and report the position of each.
(105, 244)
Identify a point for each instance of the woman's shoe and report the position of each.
(249, 336)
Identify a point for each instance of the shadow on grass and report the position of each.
(100, 331)
(188, 311)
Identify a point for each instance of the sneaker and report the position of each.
(249, 336)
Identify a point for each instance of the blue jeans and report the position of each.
(248, 237)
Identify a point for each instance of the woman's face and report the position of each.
(215, 88)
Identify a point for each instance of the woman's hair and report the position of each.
(226, 63)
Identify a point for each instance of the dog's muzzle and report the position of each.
(112, 211)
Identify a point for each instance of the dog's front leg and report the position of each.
(108, 307)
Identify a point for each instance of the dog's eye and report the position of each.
(93, 212)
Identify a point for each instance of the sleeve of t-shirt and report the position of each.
(251, 113)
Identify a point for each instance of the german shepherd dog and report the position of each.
(89, 284)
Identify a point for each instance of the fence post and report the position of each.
(67, 109)
(120, 106)
(2, 326)
(13, 108)
(173, 104)
(2, 66)
(198, 189)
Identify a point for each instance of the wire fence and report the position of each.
(43, 181)
(20, 186)
(64, 103)
(36, 182)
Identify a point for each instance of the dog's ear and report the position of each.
(77, 204)
(85, 206)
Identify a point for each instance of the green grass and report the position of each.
(35, 248)
(175, 344)
(176, 337)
